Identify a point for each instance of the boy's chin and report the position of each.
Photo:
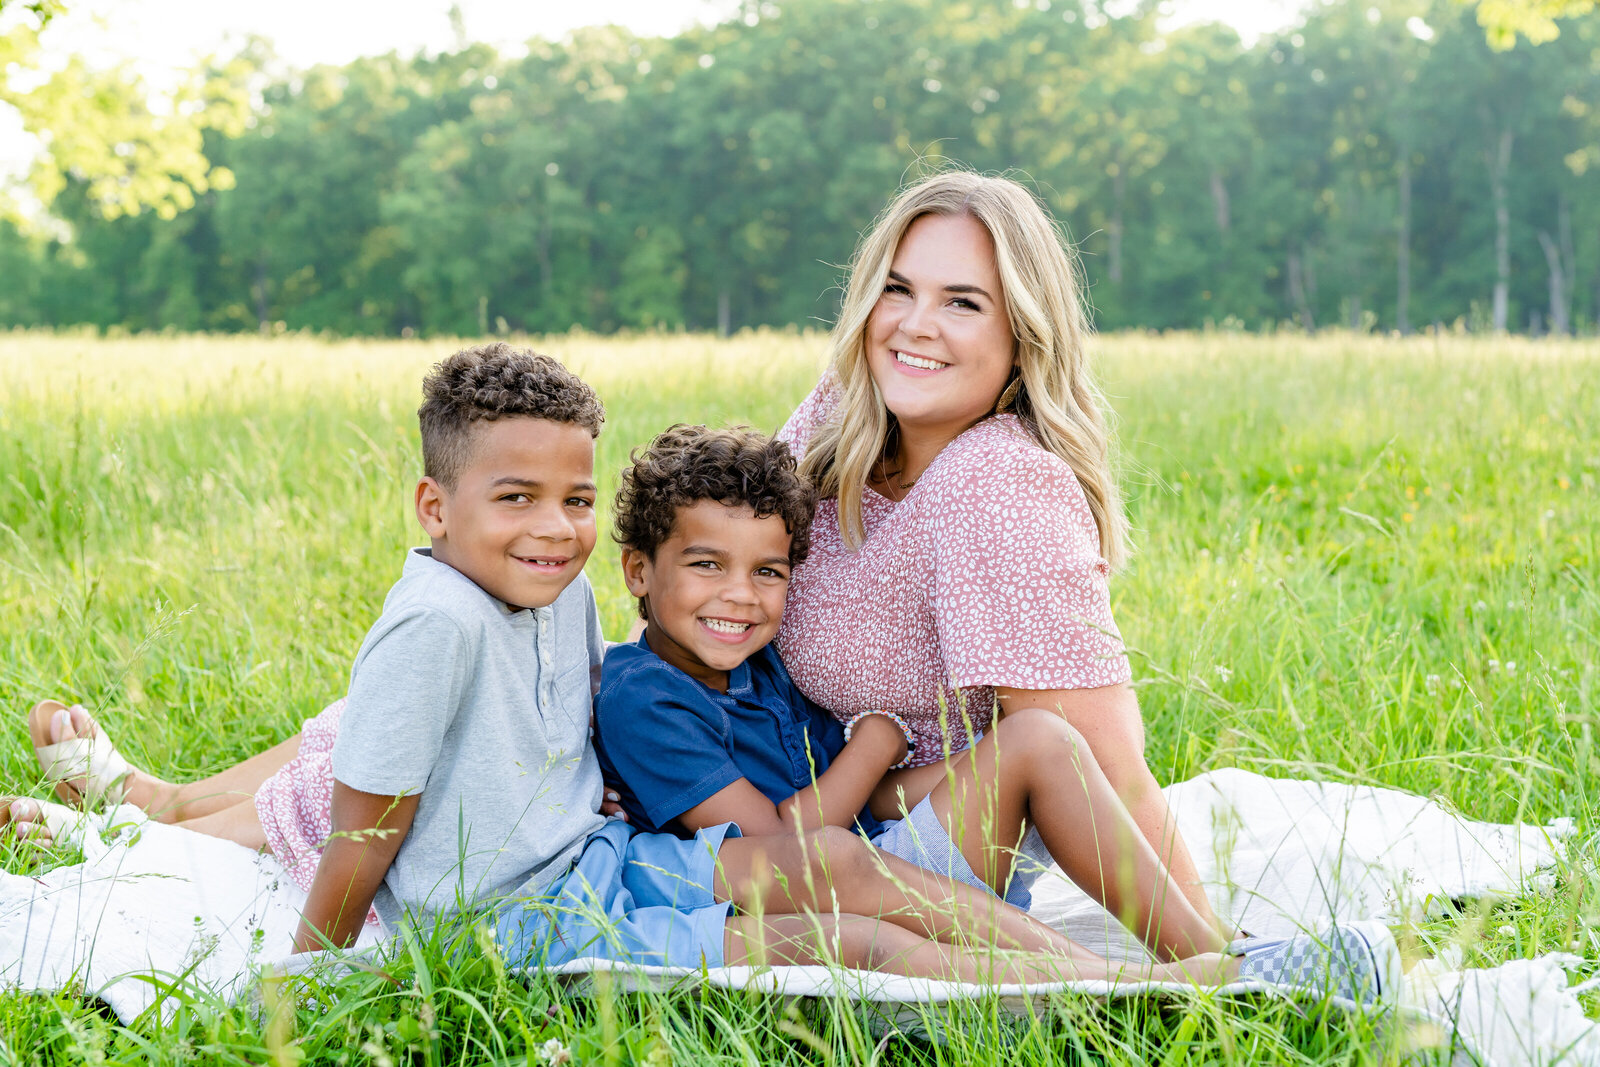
(528, 599)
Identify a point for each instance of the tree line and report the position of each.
(1380, 166)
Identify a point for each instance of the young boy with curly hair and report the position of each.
(723, 518)
(700, 728)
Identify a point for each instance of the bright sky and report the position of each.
(163, 36)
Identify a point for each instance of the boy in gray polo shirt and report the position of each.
(463, 767)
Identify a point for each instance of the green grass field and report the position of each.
(1358, 559)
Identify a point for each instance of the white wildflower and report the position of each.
(1223, 672)
(1432, 682)
(554, 1053)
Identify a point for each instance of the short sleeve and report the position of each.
(594, 639)
(408, 682)
(817, 408)
(663, 745)
(1021, 592)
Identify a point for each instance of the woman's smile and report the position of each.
(912, 361)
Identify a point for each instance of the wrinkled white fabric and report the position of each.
(1277, 855)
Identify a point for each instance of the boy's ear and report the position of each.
(431, 507)
(636, 571)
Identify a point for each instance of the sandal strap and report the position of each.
(95, 760)
(66, 825)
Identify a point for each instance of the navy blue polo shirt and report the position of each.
(668, 742)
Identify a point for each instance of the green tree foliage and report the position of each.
(1504, 20)
(99, 128)
(1381, 165)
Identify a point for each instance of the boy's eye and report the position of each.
(706, 564)
(515, 498)
(579, 502)
(771, 572)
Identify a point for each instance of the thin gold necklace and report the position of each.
(892, 478)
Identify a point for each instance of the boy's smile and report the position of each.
(714, 591)
(520, 520)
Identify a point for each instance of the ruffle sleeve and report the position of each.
(1021, 594)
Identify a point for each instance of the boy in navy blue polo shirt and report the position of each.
(700, 726)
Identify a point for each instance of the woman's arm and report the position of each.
(834, 799)
(367, 831)
(1109, 720)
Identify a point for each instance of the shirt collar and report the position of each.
(419, 559)
(741, 680)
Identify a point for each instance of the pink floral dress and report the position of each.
(295, 805)
(987, 574)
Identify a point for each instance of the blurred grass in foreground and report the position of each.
(1358, 558)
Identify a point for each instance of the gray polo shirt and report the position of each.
(485, 711)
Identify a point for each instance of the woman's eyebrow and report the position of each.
(978, 289)
(956, 288)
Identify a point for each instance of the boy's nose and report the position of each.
(740, 589)
(551, 524)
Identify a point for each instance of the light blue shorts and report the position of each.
(921, 838)
(635, 898)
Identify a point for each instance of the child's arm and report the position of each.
(367, 831)
(834, 799)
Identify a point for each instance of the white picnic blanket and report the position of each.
(152, 905)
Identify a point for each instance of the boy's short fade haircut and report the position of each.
(687, 464)
(489, 382)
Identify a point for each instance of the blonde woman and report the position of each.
(969, 524)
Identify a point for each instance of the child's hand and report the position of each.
(611, 805)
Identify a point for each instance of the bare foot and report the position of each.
(91, 772)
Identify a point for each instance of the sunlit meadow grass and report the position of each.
(1358, 559)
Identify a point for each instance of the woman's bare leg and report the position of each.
(1034, 767)
(238, 822)
(187, 801)
(164, 801)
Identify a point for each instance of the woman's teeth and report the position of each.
(722, 627)
(917, 361)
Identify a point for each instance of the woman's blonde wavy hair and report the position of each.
(1054, 395)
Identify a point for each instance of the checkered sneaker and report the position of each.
(1357, 961)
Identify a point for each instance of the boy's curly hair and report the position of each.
(489, 382)
(687, 464)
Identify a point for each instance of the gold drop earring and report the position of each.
(1008, 395)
